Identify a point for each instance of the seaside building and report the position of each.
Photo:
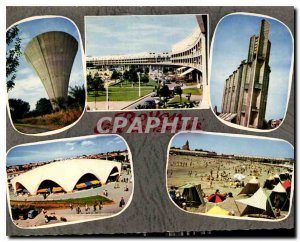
(188, 56)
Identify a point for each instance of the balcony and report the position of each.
(258, 86)
(244, 107)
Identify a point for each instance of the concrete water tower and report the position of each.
(51, 55)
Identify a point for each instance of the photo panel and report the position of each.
(251, 71)
(60, 182)
(44, 75)
(146, 62)
(231, 176)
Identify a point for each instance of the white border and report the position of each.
(56, 131)
(240, 136)
(237, 126)
(160, 109)
(80, 221)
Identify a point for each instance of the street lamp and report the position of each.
(139, 83)
(107, 98)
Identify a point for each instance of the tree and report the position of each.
(165, 70)
(147, 70)
(126, 75)
(133, 77)
(115, 75)
(140, 70)
(144, 79)
(13, 52)
(18, 108)
(178, 91)
(60, 103)
(164, 91)
(43, 106)
(89, 80)
(97, 85)
(78, 94)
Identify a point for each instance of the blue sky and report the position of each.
(235, 145)
(135, 34)
(28, 86)
(64, 149)
(231, 47)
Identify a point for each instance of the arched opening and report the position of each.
(114, 175)
(20, 189)
(48, 186)
(87, 181)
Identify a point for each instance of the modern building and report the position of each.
(51, 55)
(190, 54)
(245, 91)
(65, 175)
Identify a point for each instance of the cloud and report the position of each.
(134, 34)
(28, 88)
(87, 143)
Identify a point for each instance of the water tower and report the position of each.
(51, 55)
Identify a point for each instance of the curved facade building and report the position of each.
(51, 55)
(66, 174)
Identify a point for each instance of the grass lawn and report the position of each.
(121, 93)
(84, 200)
(127, 93)
(176, 100)
(64, 203)
(124, 93)
(100, 98)
(193, 91)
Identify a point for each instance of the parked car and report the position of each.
(149, 104)
(32, 214)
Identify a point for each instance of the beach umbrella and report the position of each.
(216, 198)
(239, 177)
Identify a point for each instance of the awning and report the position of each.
(114, 174)
(181, 68)
(95, 182)
(57, 189)
(42, 190)
(187, 72)
(80, 185)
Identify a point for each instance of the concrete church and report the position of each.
(246, 90)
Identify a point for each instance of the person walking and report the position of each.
(95, 207)
(100, 205)
(122, 202)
